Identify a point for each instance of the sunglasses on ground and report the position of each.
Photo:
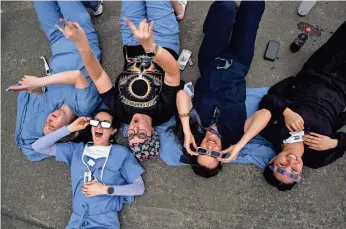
(141, 134)
(212, 153)
(297, 178)
(104, 124)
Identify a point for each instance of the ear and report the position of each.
(114, 131)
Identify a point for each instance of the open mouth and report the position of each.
(98, 134)
(211, 142)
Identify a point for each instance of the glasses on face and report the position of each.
(104, 124)
(297, 178)
(212, 153)
(141, 134)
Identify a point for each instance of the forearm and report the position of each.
(254, 125)
(74, 77)
(46, 144)
(184, 106)
(167, 62)
(134, 189)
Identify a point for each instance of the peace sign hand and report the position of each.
(144, 33)
(73, 32)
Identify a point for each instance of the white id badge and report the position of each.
(184, 58)
(87, 177)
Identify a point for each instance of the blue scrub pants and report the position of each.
(223, 19)
(65, 55)
(166, 29)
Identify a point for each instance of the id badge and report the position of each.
(87, 177)
(184, 58)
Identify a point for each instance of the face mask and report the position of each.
(97, 152)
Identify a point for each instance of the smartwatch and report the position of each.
(152, 53)
(110, 190)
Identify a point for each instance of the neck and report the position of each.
(69, 113)
(102, 144)
(294, 148)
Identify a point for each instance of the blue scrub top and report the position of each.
(33, 110)
(100, 211)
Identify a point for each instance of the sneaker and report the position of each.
(183, 4)
(99, 9)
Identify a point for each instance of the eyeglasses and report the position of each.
(104, 124)
(141, 134)
(212, 153)
(297, 178)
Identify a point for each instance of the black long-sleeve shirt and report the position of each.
(318, 94)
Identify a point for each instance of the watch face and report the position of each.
(110, 190)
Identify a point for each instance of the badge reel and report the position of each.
(295, 137)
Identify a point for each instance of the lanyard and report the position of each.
(104, 164)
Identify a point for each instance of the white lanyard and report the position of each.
(106, 150)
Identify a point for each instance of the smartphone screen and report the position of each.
(272, 50)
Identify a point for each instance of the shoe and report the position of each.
(305, 7)
(183, 4)
(99, 9)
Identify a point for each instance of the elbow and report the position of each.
(142, 191)
(265, 114)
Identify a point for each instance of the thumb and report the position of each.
(194, 143)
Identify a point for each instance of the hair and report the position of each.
(272, 180)
(198, 169)
(115, 122)
(206, 172)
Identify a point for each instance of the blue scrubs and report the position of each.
(99, 211)
(32, 110)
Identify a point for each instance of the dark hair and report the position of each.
(272, 180)
(206, 172)
(115, 122)
(197, 168)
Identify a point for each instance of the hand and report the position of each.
(144, 34)
(94, 188)
(294, 122)
(79, 124)
(29, 84)
(188, 140)
(319, 142)
(233, 150)
(74, 32)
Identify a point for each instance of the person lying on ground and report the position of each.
(144, 94)
(41, 112)
(104, 176)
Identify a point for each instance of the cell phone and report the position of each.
(9, 88)
(184, 58)
(272, 50)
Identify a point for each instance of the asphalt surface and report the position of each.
(37, 194)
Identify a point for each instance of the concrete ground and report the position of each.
(37, 194)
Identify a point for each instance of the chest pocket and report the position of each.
(110, 176)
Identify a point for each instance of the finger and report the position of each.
(297, 126)
(301, 124)
(146, 28)
(294, 127)
(151, 27)
(311, 140)
(316, 135)
(131, 25)
(289, 128)
(314, 148)
(194, 144)
(141, 26)
(67, 23)
(75, 25)
(60, 29)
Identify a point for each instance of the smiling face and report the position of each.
(291, 161)
(140, 122)
(101, 135)
(210, 142)
(55, 120)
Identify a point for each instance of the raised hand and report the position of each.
(73, 32)
(144, 33)
(79, 124)
(233, 150)
(188, 141)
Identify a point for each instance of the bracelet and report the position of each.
(185, 115)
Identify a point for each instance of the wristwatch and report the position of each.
(110, 190)
(152, 53)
